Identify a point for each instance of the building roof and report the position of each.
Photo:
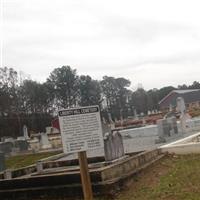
(185, 91)
(189, 96)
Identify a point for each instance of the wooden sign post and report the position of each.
(85, 176)
(81, 131)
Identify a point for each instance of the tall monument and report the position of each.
(181, 108)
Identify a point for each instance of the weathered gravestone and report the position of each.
(118, 144)
(135, 114)
(113, 146)
(25, 132)
(105, 127)
(166, 128)
(6, 147)
(2, 161)
(163, 127)
(173, 125)
(184, 116)
(9, 139)
(108, 146)
(44, 141)
(22, 145)
(161, 131)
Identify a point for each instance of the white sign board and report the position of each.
(80, 129)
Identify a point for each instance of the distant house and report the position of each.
(191, 97)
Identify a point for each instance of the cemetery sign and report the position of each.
(80, 129)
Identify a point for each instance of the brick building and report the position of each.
(191, 97)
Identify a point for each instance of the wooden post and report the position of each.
(85, 176)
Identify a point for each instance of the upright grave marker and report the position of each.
(81, 131)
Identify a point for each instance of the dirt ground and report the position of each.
(171, 178)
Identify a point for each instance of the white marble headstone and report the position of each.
(25, 132)
(184, 116)
(44, 141)
(135, 114)
(180, 105)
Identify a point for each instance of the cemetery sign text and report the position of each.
(80, 129)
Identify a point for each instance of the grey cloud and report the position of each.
(174, 59)
(141, 30)
(39, 36)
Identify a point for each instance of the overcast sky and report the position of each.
(152, 42)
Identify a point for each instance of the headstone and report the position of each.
(25, 132)
(6, 147)
(104, 103)
(171, 129)
(34, 145)
(110, 118)
(113, 146)
(180, 105)
(163, 130)
(108, 147)
(174, 125)
(166, 128)
(21, 138)
(3, 138)
(48, 129)
(105, 128)
(181, 108)
(135, 114)
(107, 140)
(22, 145)
(191, 125)
(44, 141)
(112, 123)
(121, 116)
(170, 108)
(149, 112)
(118, 144)
(2, 161)
(183, 119)
(9, 139)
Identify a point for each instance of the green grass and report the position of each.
(19, 161)
(173, 178)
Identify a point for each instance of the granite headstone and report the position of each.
(113, 146)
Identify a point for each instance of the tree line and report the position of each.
(24, 101)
